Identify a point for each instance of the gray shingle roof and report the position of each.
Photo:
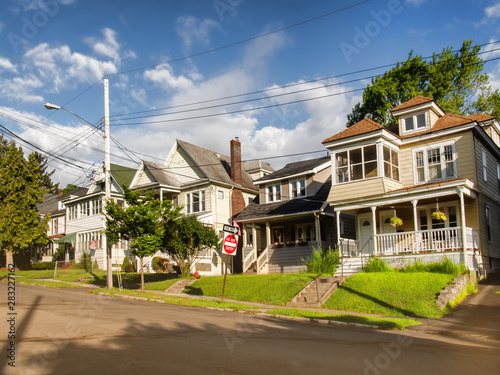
(292, 169)
(216, 166)
(50, 202)
(162, 174)
(294, 206)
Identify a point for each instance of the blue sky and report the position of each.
(59, 50)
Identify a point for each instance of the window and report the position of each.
(305, 232)
(436, 163)
(84, 209)
(72, 214)
(54, 226)
(220, 194)
(195, 201)
(250, 200)
(298, 188)
(488, 222)
(96, 206)
(391, 163)
(273, 193)
(414, 123)
(485, 164)
(356, 164)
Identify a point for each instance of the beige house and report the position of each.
(430, 165)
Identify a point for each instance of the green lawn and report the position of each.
(276, 289)
(384, 323)
(391, 293)
(47, 283)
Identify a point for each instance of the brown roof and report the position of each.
(444, 122)
(364, 126)
(479, 117)
(412, 102)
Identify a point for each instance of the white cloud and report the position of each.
(493, 11)
(109, 47)
(195, 31)
(7, 65)
(164, 77)
(21, 89)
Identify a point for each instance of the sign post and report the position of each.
(229, 246)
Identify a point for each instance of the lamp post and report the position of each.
(107, 175)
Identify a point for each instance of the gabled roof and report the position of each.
(215, 166)
(445, 122)
(255, 211)
(122, 175)
(479, 117)
(295, 168)
(161, 173)
(364, 126)
(50, 203)
(417, 100)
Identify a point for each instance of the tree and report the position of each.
(69, 188)
(23, 184)
(186, 239)
(143, 221)
(453, 79)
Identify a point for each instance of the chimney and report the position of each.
(236, 160)
(59, 192)
(237, 200)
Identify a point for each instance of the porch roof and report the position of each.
(417, 192)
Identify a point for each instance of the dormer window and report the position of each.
(273, 193)
(298, 188)
(415, 122)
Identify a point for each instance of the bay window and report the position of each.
(356, 164)
(391, 163)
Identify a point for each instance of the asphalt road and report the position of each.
(71, 332)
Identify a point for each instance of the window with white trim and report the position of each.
(273, 192)
(356, 164)
(485, 164)
(96, 206)
(435, 163)
(55, 228)
(391, 163)
(298, 187)
(195, 201)
(72, 212)
(220, 194)
(415, 122)
(84, 209)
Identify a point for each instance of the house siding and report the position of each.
(184, 168)
(145, 178)
(356, 190)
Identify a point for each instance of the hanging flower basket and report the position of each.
(396, 221)
(278, 244)
(438, 216)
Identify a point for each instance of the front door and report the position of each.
(365, 232)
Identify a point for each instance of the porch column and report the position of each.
(374, 228)
(462, 219)
(254, 237)
(268, 233)
(318, 229)
(161, 195)
(415, 215)
(244, 234)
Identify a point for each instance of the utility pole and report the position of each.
(107, 181)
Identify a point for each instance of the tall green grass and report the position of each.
(322, 260)
(376, 264)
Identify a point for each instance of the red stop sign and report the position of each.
(230, 244)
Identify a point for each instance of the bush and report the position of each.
(60, 253)
(43, 266)
(96, 265)
(128, 268)
(321, 260)
(376, 265)
(84, 264)
(160, 264)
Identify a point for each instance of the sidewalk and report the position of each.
(477, 316)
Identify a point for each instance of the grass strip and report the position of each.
(47, 283)
(275, 289)
(181, 301)
(161, 285)
(383, 323)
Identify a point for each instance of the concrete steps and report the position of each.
(316, 292)
(350, 266)
(179, 286)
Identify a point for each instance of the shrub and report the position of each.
(160, 264)
(84, 264)
(128, 268)
(376, 265)
(96, 265)
(126, 261)
(43, 266)
(321, 260)
(59, 254)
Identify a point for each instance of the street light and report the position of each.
(107, 179)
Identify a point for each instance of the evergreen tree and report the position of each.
(23, 184)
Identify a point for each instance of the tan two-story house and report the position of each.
(428, 185)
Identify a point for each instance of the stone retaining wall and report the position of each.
(451, 291)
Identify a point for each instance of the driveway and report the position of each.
(478, 316)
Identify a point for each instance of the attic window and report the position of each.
(414, 123)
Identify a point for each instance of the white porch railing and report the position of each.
(438, 240)
(263, 261)
(208, 262)
(250, 258)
